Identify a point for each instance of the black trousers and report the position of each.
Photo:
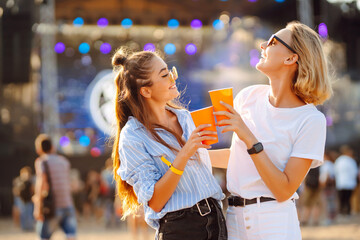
(344, 199)
(190, 225)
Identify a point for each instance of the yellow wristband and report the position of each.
(175, 170)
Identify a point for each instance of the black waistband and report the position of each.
(203, 207)
(240, 202)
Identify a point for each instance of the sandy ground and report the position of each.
(344, 229)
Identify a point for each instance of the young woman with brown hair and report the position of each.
(159, 159)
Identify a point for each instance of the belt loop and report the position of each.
(258, 202)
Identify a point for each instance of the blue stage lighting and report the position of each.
(218, 24)
(78, 22)
(84, 48)
(126, 23)
(173, 23)
(170, 49)
(84, 141)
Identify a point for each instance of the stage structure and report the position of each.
(207, 57)
(49, 76)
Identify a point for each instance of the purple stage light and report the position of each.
(329, 120)
(196, 24)
(254, 53)
(190, 49)
(64, 141)
(59, 47)
(149, 47)
(254, 61)
(323, 31)
(102, 22)
(105, 48)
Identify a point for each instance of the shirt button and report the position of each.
(247, 218)
(248, 227)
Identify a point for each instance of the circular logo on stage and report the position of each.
(100, 98)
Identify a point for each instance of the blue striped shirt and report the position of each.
(141, 167)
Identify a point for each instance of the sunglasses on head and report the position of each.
(173, 74)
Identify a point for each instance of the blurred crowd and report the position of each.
(332, 190)
(327, 193)
(94, 200)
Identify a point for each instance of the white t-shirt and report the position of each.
(284, 133)
(346, 172)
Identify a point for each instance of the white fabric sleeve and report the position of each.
(310, 140)
(238, 100)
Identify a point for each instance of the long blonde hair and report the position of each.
(311, 83)
(133, 71)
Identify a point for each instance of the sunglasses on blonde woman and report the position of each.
(275, 38)
(173, 74)
(271, 41)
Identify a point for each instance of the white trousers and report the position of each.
(264, 221)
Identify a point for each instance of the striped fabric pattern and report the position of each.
(141, 167)
(59, 168)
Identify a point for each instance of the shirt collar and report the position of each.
(181, 118)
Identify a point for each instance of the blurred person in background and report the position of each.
(278, 136)
(327, 183)
(92, 204)
(59, 171)
(77, 190)
(346, 173)
(159, 159)
(311, 198)
(23, 190)
(107, 193)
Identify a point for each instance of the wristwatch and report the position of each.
(256, 148)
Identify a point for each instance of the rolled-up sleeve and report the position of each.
(138, 169)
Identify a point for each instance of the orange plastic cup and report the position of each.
(205, 116)
(225, 95)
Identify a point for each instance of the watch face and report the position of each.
(258, 147)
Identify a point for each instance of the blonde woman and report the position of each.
(278, 136)
(159, 159)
